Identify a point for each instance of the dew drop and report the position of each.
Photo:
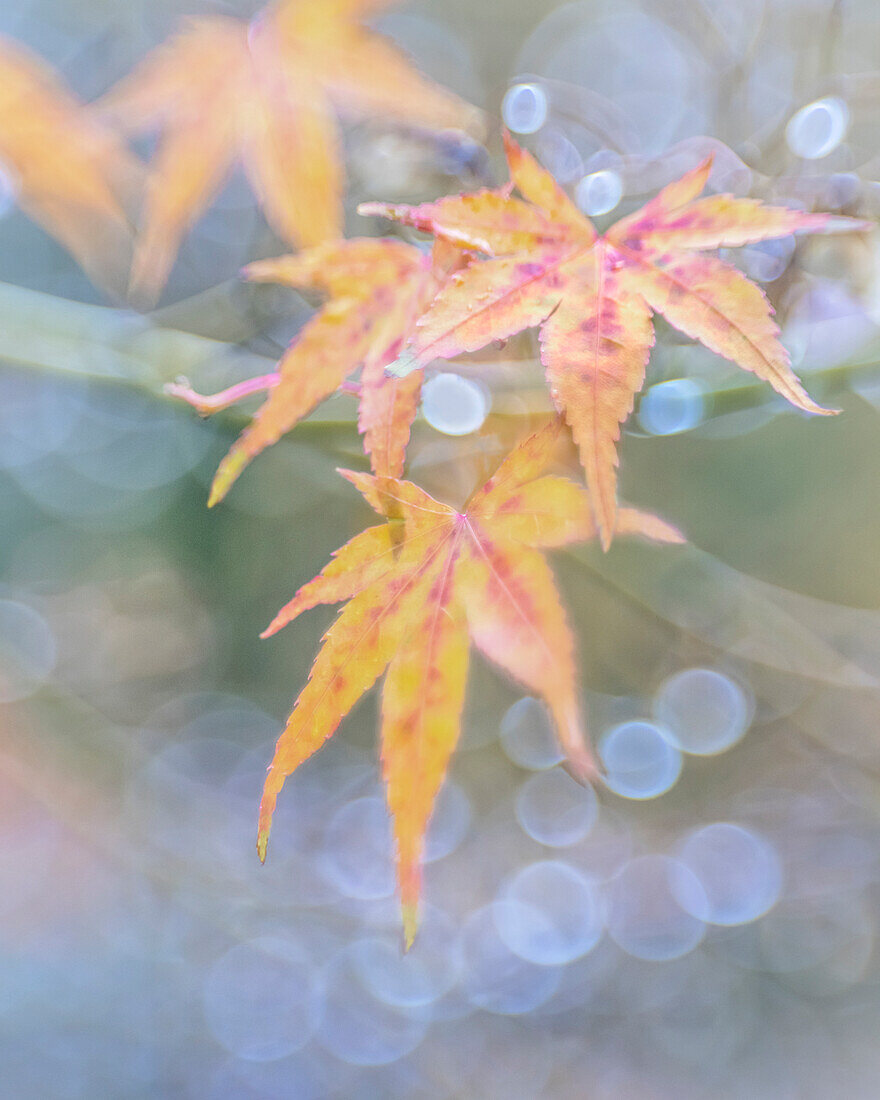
(740, 873)
(356, 1027)
(258, 999)
(704, 712)
(817, 129)
(417, 977)
(555, 810)
(676, 405)
(599, 192)
(454, 405)
(358, 856)
(524, 108)
(646, 918)
(527, 736)
(549, 913)
(640, 761)
(494, 977)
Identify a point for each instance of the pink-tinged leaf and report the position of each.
(489, 301)
(489, 221)
(664, 205)
(422, 701)
(311, 369)
(436, 577)
(595, 348)
(387, 410)
(343, 269)
(553, 511)
(354, 653)
(593, 298)
(361, 562)
(397, 499)
(377, 289)
(722, 221)
(540, 188)
(533, 455)
(517, 621)
(716, 304)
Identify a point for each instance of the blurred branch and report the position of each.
(70, 338)
(100, 343)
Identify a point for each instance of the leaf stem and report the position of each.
(206, 404)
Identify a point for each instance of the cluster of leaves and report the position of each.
(431, 577)
(593, 296)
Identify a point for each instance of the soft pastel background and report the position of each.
(718, 940)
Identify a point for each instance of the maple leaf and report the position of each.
(67, 173)
(593, 297)
(266, 93)
(418, 587)
(376, 289)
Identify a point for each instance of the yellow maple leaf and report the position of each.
(419, 587)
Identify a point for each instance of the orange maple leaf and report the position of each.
(594, 297)
(266, 93)
(376, 290)
(67, 173)
(418, 587)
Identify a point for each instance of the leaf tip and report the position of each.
(674, 535)
(375, 210)
(227, 473)
(836, 223)
(583, 768)
(816, 409)
(410, 913)
(605, 512)
(631, 521)
(513, 151)
(262, 844)
(267, 809)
